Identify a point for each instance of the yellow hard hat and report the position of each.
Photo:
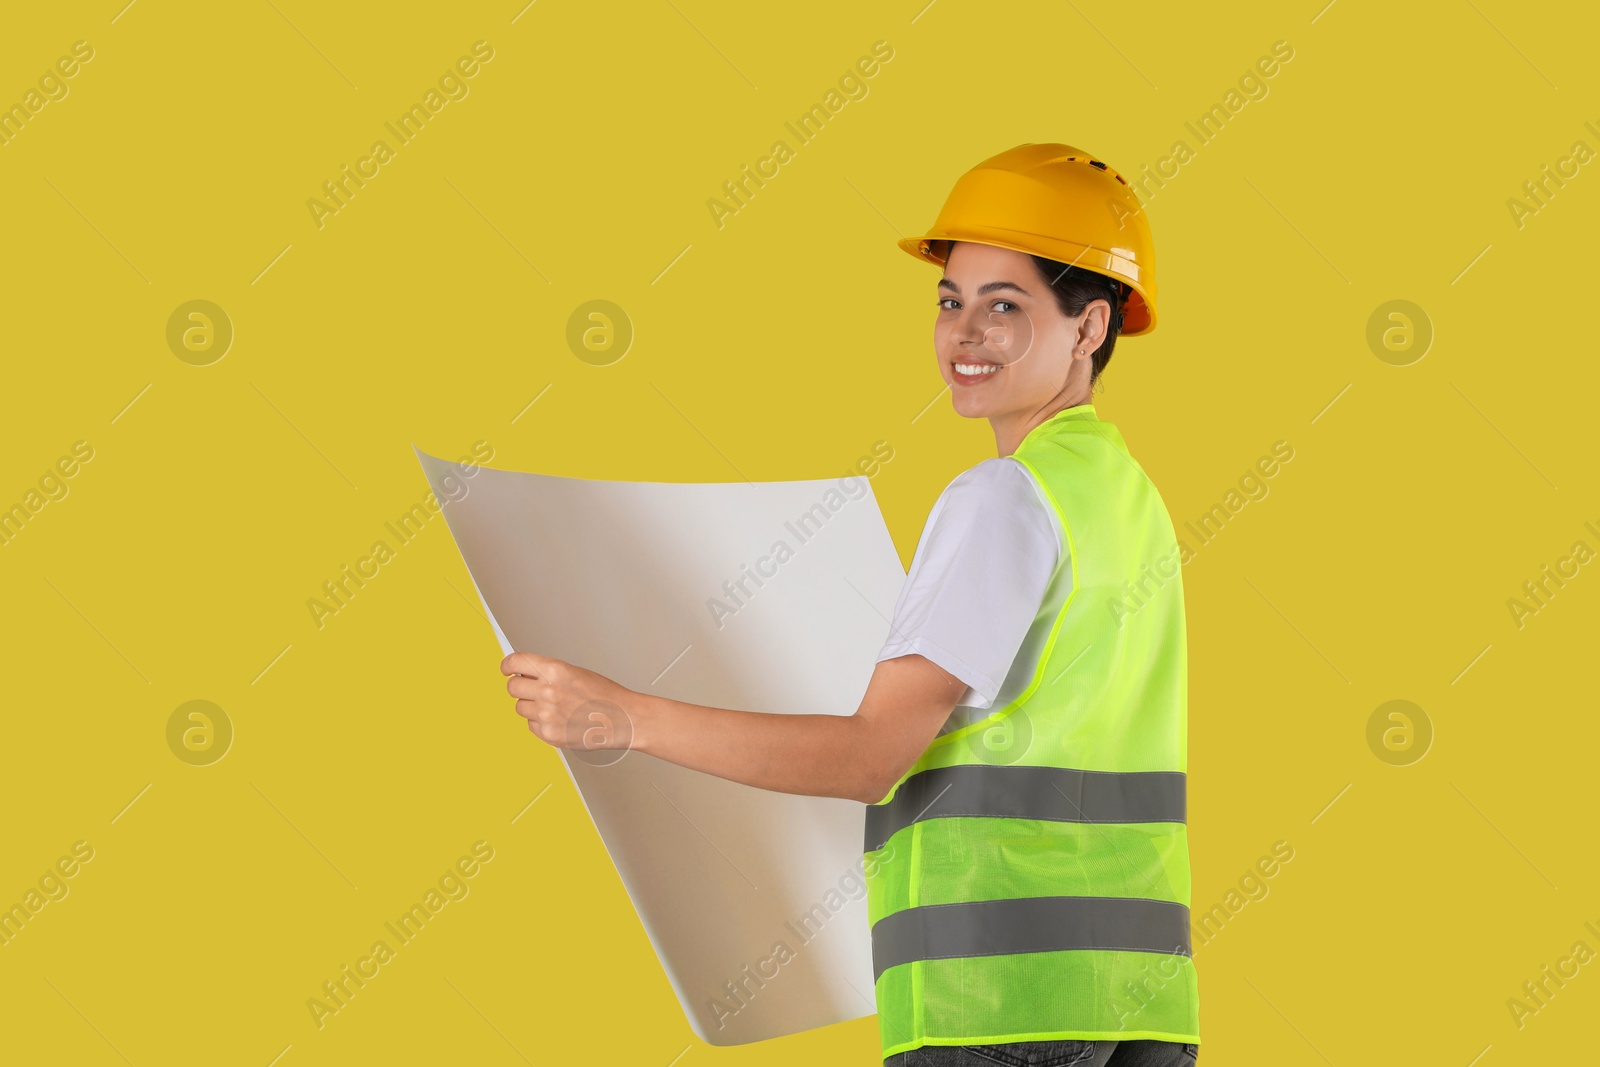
(1059, 202)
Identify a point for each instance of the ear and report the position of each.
(1092, 326)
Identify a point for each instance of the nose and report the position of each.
(984, 335)
(971, 329)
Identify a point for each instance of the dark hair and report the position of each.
(1074, 289)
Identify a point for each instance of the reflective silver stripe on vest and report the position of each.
(1029, 924)
(1058, 794)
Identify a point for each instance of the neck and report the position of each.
(1009, 430)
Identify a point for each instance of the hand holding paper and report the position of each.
(569, 706)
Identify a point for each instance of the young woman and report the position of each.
(1022, 744)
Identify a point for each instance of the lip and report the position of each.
(973, 379)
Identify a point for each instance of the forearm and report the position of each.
(812, 755)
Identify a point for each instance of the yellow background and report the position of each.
(371, 753)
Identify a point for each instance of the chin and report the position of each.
(970, 408)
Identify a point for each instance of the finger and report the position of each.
(520, 685)
(544, 733)
(528, 709)
(523, 663)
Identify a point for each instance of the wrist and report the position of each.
(641, 711)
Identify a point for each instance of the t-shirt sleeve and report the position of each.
(978, 578)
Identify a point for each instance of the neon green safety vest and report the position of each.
(1028, 877)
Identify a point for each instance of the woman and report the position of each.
(1022, 741)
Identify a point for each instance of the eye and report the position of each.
(944, 301)
(1007, 303)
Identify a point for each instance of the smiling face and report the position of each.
(1003, 345)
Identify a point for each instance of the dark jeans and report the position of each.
(1051, 1054)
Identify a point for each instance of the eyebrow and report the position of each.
(986, 287)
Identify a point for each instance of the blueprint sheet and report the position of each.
(752, 900)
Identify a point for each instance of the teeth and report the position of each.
(975, 368)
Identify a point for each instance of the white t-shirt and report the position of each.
(984, 588)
